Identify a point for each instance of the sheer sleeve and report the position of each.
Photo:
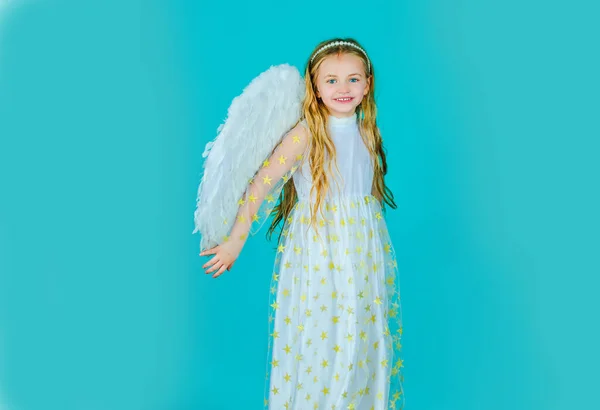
(264, 188)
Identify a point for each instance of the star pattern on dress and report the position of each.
(314, 367)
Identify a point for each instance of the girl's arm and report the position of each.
(270, 178)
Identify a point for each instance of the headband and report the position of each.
(342, 43)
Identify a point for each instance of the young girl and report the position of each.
(335, 322)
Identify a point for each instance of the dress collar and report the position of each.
(342, 121)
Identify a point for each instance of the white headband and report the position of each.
(344, 43)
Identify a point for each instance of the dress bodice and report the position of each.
(355, 166)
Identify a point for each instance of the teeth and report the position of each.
(344, 99)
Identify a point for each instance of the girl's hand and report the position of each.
(220, 262)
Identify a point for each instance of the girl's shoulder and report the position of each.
(298, 136)
(304, 124)
(301, 128)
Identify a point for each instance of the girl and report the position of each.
(335, 316)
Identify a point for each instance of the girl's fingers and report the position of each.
(211, 262)
(211, 251)
(215, 267)
(220, 272)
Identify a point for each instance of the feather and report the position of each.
(256, 121)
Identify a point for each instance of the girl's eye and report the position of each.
(352, 79)
(329, 81)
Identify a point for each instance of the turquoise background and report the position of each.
(490, 116)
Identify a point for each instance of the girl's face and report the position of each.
(341, 84)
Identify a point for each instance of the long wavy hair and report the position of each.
(322, 152)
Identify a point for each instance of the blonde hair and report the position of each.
(321, 145)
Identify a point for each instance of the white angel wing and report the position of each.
(257, 120)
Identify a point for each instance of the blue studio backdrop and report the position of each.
(489, 114)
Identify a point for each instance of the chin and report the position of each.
(342, 109)
(348, 110)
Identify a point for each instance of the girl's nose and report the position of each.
(344, 88)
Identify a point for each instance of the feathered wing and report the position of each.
(257, 120)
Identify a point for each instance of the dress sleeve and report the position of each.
(264, 188)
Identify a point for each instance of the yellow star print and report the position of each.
(282, 159)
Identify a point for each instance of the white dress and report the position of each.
(335, 322)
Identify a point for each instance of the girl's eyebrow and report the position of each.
(349, 75)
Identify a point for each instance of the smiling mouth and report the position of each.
(344, 99)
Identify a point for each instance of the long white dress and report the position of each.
(335, 322)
